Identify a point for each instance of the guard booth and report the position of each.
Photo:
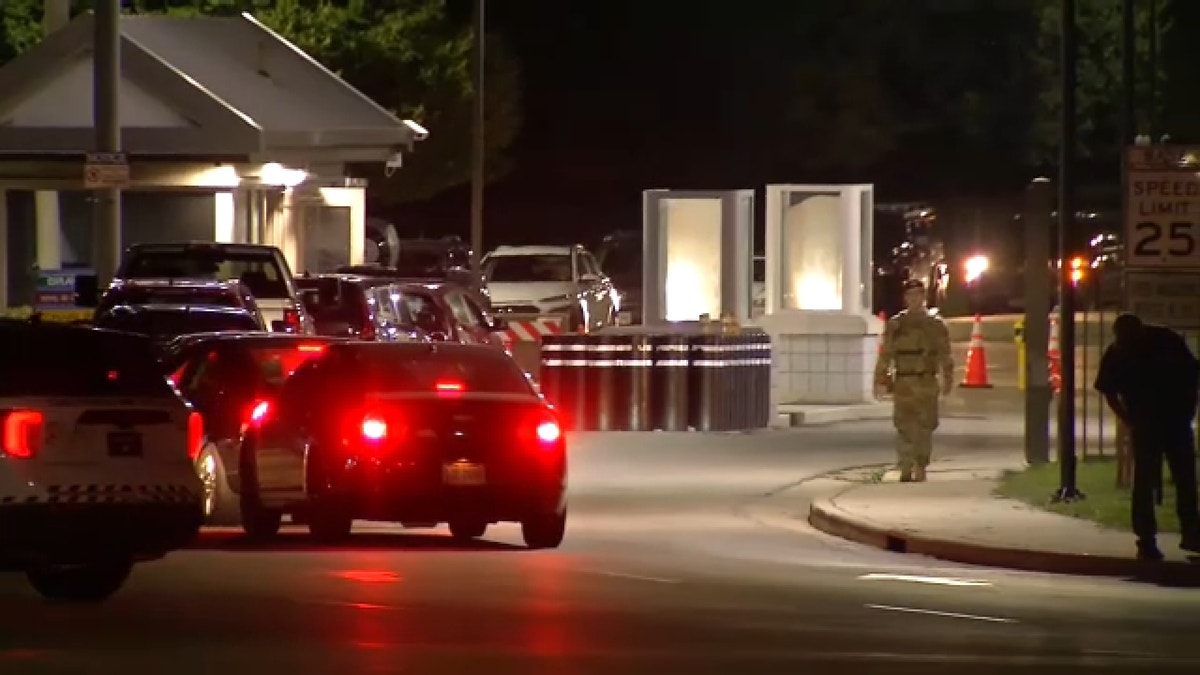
(231, 134)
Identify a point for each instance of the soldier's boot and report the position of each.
(906, 474)
(918, 475)
(1147, 549)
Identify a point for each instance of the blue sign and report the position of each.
(56, 289)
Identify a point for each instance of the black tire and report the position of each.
(467, 530)
(329, 525)
(221, 507)
(258, 522)
(544, 531)
(84, 584)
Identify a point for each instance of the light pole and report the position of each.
(478, 153)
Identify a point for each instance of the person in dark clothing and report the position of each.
(1151, 381)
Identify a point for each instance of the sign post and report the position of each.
(106, 171)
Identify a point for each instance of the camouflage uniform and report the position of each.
(915, 350)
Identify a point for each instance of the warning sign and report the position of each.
(1163, 210)
(1166, 298)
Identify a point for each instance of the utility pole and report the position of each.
(1067, 491)
(1152, 75)
(478, 153)
(106, 84)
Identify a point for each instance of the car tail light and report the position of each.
(23, 433)
(291, 319)
(259, 412)
(449, 387)
(374, 428)
(312, 349)
(195, 434)
(548, 432)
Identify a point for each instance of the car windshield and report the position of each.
(334, 301)
(261, 271)
(404, 369)
(174, 295)
(423, 310)
(163, 325)
(77, 362)
(550, 268)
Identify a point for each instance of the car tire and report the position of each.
(545, 530)
(467, 530)
(221, 506)
(258, 522)
(329, 525)
(90, 583)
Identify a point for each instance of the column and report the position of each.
(4, 249)
(49, 230)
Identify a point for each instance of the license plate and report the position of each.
(124, 444)
(463, 473)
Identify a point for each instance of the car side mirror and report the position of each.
(87, 291)
(498, 324)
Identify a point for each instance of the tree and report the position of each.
(1099, 95)
(404, 54)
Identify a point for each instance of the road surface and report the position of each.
(682, 556)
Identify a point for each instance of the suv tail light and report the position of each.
(449, 387)
(23, 433)
(195, 434)
(256, 414)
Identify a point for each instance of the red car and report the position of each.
(450, 313)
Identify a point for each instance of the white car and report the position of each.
(560, 281)
(95, 466)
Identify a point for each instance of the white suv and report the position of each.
(563, 281)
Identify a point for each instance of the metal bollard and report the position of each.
(704, 382)
(608, 353)
(550, 371)
(763, 410)
(740, 390)
(632, 384)
(669, 382)
(569, 390)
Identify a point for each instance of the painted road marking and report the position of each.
(947, 615)
(633, 577)
(921, 579)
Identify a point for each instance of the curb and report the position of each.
(828, 518)
(801, 415)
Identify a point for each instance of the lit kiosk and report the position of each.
(697, 254)
(818, 287)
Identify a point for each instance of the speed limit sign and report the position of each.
(1162, 217)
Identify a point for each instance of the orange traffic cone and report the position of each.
(976, 376)
(883, 318)
(1054, 356)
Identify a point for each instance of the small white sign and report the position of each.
(1163, 219)
(1167, 298)
(105, 170)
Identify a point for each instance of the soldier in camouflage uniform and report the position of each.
(915, 351)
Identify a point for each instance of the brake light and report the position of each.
(312, 349)
(374, 428)
(548, 432)
(195, 434)
(259, 412)
(449, 387)
(23, 435)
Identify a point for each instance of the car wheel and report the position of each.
(467, 530)
(258, 522)
(544, 531)
(90, 583)
(329, 525)
(220, 504)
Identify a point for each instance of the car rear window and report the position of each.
(173, 295)
(249, 365)
(424, 311)
(261, 271)
(421, 262)
(78, 362)
(162, 325)
(334, 300)
(405, 369)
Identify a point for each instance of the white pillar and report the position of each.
(49, 230)
(3, 249)
(852, 252)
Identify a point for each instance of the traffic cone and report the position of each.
(976, 376)
(1054, 357)
(883, 318)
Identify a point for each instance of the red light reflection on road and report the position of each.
(548, 632)
(368, 576)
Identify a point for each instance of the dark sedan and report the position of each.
(420, 434)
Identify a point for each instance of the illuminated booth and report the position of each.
(818, 294)
(696, 254)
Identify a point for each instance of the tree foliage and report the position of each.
(407, 55)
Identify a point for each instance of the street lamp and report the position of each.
(478, 154)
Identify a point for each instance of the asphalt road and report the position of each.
(683, 555)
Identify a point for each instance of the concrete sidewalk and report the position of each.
(956, 516)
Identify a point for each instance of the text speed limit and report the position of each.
(1163, 219)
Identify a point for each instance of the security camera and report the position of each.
(419, 132)
(396, 161)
